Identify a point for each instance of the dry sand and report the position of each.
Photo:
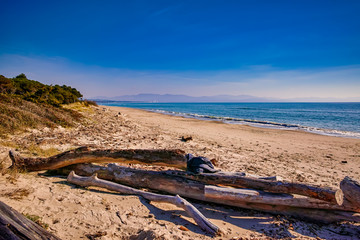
(74, 213)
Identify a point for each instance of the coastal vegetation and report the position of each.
(37, 92)
(26, 103)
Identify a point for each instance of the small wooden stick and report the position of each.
(199, 218)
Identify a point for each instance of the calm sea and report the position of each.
(335, 119)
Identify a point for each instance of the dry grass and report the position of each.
(36, 219)
(17, 115)
(80, 107)
(8, 144)
(17, 194)
(12, 173)
(2, 165)
(38, 151)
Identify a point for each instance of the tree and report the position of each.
(21, 75)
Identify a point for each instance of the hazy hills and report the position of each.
(218, 98)
(183, 98)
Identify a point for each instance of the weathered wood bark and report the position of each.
(199, 218)
(172, 158)
(258, 196)
(351, 189)
(326, 194)
(173, 184)
(15, 226)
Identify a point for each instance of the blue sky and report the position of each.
(263, 48)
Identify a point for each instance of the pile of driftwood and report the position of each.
(268, 194)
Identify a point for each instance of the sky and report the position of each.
(277, 49)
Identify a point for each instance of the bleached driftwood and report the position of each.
(172, 184)
(175, 158)
(351, 189)
(258, 196)
(172, 158)
(199, 218)
(237, 180)
(14, 225)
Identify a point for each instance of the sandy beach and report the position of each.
(78, 213)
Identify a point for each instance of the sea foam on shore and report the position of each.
(332, 119)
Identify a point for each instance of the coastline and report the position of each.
(330, 119)
(265, 124)
(74, 212)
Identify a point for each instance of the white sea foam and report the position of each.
(263, 124)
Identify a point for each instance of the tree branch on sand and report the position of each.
(178, 201)
(173, 158)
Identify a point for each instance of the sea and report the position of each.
(333, 119)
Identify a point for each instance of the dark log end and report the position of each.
(16, 159)
(351, 189)
(348, 180)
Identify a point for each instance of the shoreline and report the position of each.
(256, 123)
(265, 124)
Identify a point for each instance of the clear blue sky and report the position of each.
(262, 48)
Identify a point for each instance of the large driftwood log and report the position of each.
(351, 189)
(240, 180)
(14, 226)
(171, 158)
(174, 158)
(258, 196)
(234, 180)
(199, 218)
(162, 181)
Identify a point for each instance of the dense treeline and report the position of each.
(37, 92)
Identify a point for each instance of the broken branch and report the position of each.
(199, 218)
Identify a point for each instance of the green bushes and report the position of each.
(37, 92)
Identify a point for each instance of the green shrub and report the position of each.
(37, 92)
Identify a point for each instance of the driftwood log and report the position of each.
(172, 158)
(14, 225)
(237, 180)
(351, 189)
(199, 218)
(258, 196)
(161, 181)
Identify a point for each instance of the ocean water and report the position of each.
(335, 119)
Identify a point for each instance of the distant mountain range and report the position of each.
(184, 98)
(218, 98)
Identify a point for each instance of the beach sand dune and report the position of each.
(77, 213)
